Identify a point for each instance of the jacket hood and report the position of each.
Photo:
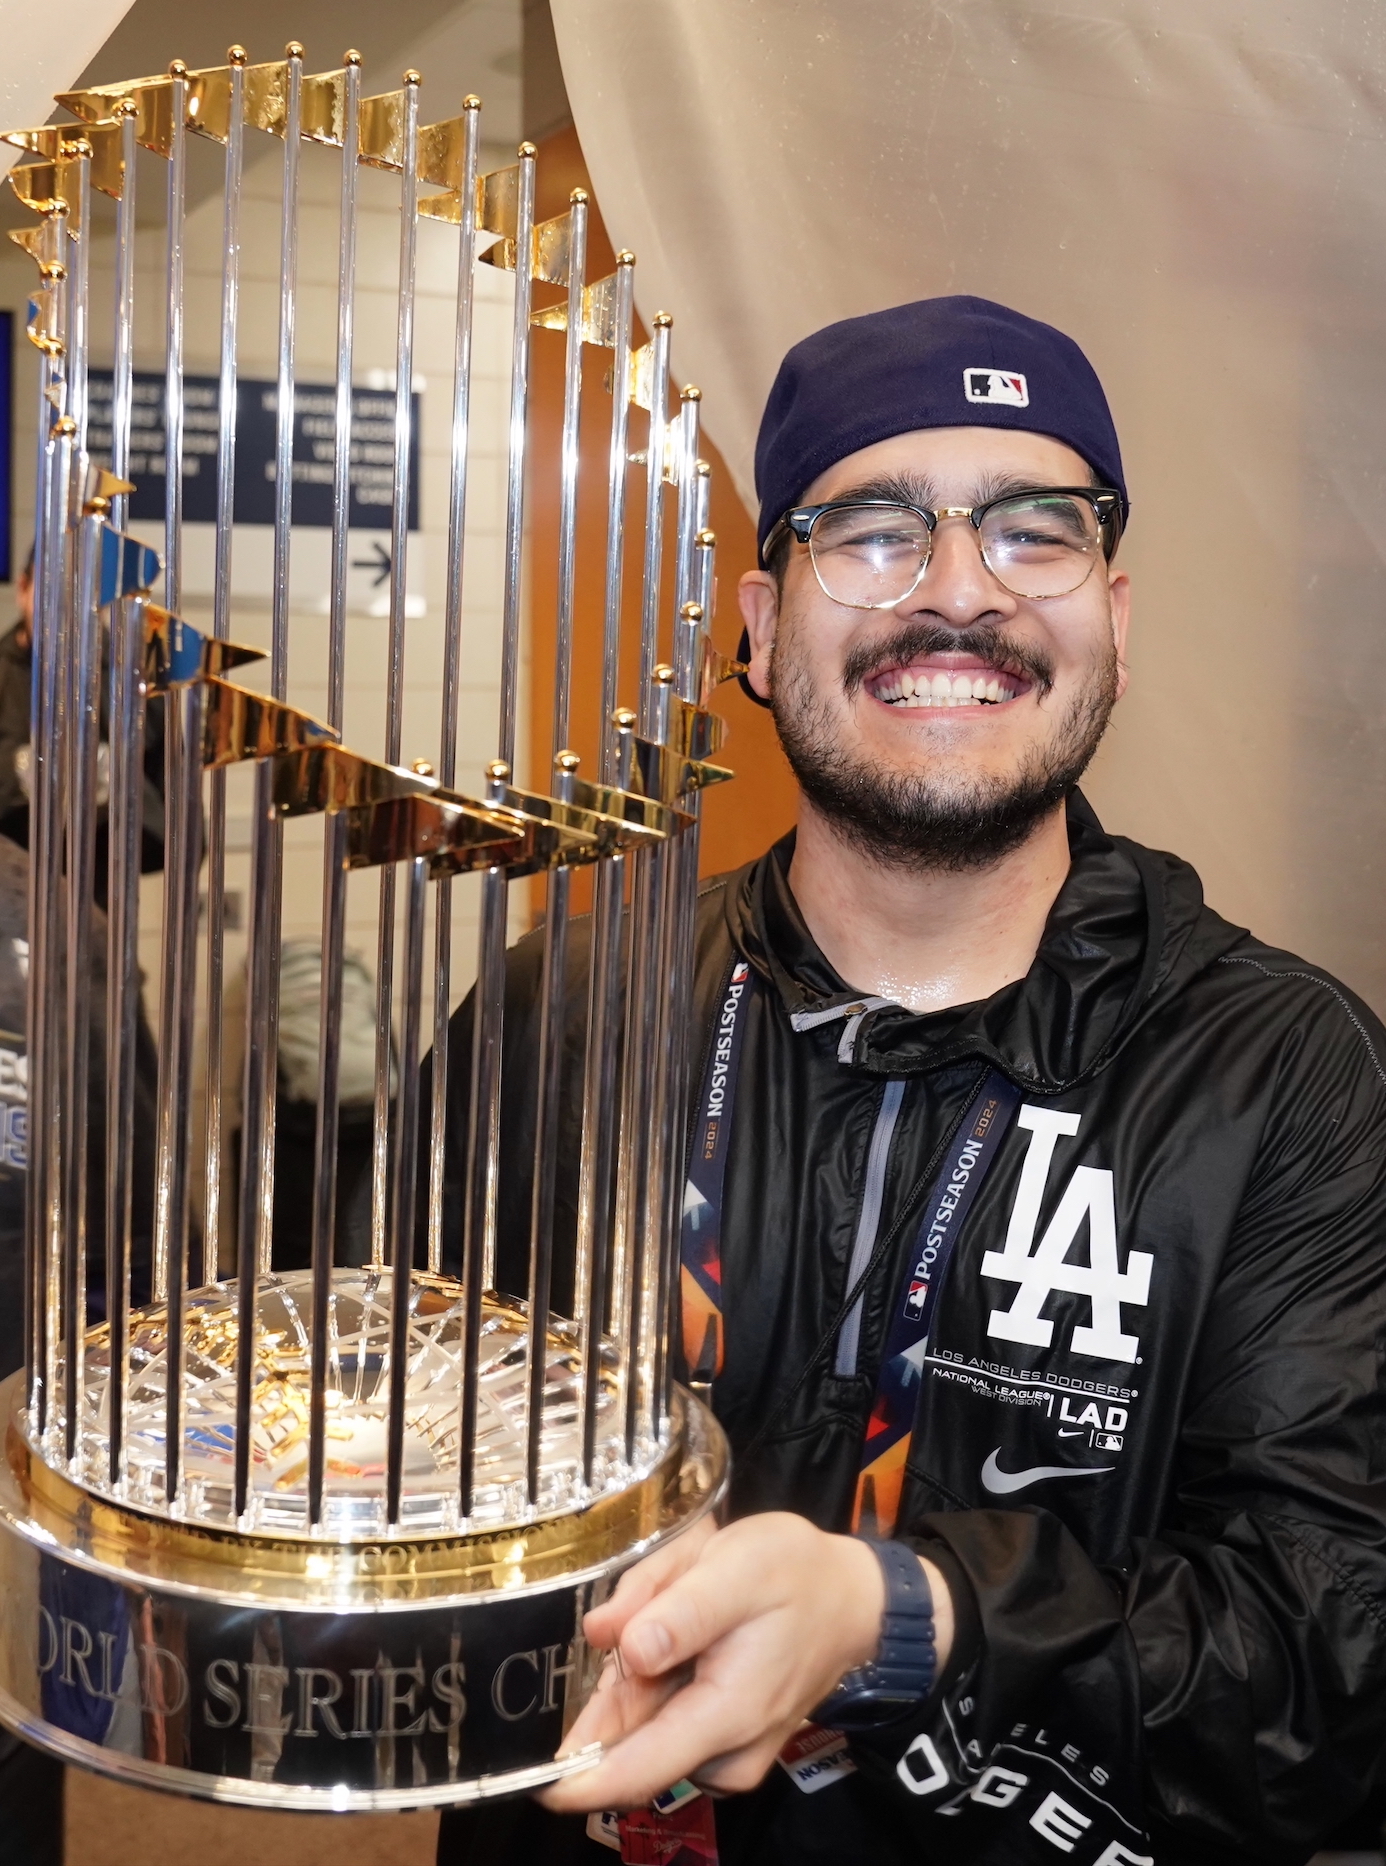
(1129, 928)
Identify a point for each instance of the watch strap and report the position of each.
(902, 1673)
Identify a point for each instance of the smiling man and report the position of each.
(1033, 1254)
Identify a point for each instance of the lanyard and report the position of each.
(966, 1163)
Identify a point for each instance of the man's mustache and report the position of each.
(915, 641)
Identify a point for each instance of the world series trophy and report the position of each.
(324, 1539)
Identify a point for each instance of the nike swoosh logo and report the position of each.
(1000, 1483)
(1077, 1434)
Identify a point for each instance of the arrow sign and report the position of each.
(380, 563)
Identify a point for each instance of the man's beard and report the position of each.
(923, 819)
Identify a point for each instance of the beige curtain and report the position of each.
(1196, 190)
(47, 47)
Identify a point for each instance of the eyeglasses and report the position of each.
(871, 554)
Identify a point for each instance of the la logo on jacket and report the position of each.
(1038, 1270)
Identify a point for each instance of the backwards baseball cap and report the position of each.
(953, 362)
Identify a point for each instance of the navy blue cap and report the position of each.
(941, 363)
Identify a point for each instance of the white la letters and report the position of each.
(1038, 1271)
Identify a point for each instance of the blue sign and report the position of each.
(372, 474)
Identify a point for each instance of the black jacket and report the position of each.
(1178, 1652)
(16, 683)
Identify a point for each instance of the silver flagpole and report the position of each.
(401, 1243)
(51, 651)
(124, 822)
(655, 448)
(55, 430)
(671, 1035)
(180, 850)
(394, 687)
(167, 1110)
(452, 670)
(553, 996)
(334, 826)
(262, 967)
(646, 918)
(405, 1176)
(82, 674)
(483, 1135)
(181, 855)
(210, 1270)
(599, 1069)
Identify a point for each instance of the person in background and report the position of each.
(16, 690)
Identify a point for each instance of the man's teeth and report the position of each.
(906, 689)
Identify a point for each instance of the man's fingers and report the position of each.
(638, 1586)
(692, 1725)
(619, 1706)
(691, 1614)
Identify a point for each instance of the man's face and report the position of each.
(1019, 689)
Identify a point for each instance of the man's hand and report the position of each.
(724, 1642)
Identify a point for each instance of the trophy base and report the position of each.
(325, 1677)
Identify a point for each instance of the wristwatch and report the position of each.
(902, 1673)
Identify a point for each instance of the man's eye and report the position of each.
(877, 539)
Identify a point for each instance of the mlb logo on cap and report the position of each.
(996, 385)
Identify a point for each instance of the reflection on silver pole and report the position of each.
(334, 826)
(123, 835)
(267, 869)
(483, 1142)
(48, 714)
(405, 1177)
(221, 627)
(553, 1000)
(599, 1128)
(79, 830)
(690, 649)
(618, 472)
(83, 676)
(394, 682)
(593, 1266)
(452, 669)
(552, 1003)
(568, 471)
(167, 1108)
(79, 265)
(515, 482)
(183, 860)
(655, 448)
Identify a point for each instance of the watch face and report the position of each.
(868, 1708)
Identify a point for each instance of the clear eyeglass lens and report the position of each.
(869, 556)
(1037, 545)
(1041, 545)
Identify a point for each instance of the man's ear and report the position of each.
(759, 602)
(1119, 591)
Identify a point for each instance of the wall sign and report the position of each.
(372, 450)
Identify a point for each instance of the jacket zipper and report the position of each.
(868, 1222)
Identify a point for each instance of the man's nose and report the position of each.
(956, 586)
